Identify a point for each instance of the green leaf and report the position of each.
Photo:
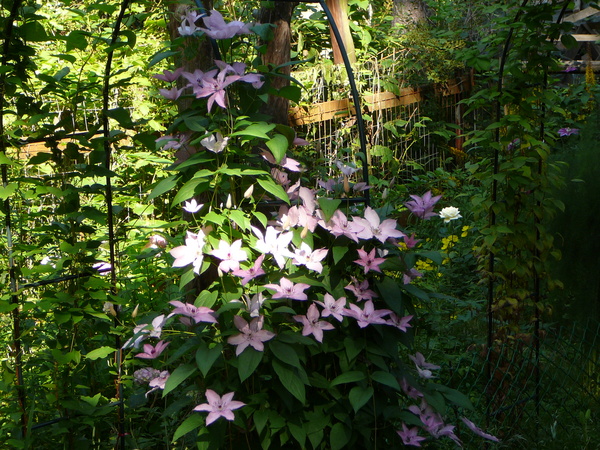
(340, 435)
(298, 432)
(92, 401)
(391, 293)
(239, 218)
(188, 190)
(328, 206)
(386, 378)
(273, 188)
(207, 355)
(568, 41)
(338, 252)
(285, 353)
(260, 420)
(160, 56)
(248, 361)
(348, 377)
(76, 40)
(101, 352)
(8, 190)
(291, 92)
(191, 423)
(178, 376)
(359, 396)
(258, 130)
(454, 396)
(121, 115)
(33, 32)
(354, 345)
(290, 381)
(163, 186)
(278, 146)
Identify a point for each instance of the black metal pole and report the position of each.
(362, 135)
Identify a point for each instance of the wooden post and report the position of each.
(339, 11)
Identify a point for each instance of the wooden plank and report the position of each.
(586, 37)
(583, 14)
(321, 112)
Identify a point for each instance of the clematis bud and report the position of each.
(108, 308)
(346, 184)
(135, 311)
(385, 194)
(228, 203)
(249, 191)
(304, 232)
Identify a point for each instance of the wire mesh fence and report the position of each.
(406, 126)
(546, 397)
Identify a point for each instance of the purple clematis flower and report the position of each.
(410, 436)
(252, 272)
(368, 260)
(478, 431)
(567, 131)
(152, 352)
(422, 207)
(218, 406)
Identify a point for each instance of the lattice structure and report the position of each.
(399, 119)
(557, 387)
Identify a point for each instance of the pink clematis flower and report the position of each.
(213, 86)
(374, 228)
(368, 315)
(188, 24)
(305, 256)
(144, 330)
(410, 275)
(402, 323)
(171, 94)
(198, 314)
(478, 431)
(369, 261)
(361, 290)
(217, 28)
(422, 207)
(230, 255)
(159, 382)
(218, 406)
(169, 76)
(251, 334)
(333, 307)
(216, 143)
(339, 225)
(411, 241)
(409, 390)
(152, 352)
(567, 131)
(410, 436)
(346, 169)
(275, 243)
(419, 360)
(287, 289)
(252, 272)
(191, 252)
(312, 324)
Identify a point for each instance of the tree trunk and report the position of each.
(339, 11)
(278, 53)
(409, 13)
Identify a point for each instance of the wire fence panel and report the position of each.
(531, 400)
(403, 122)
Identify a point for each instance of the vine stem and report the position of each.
(6, 206)
(110, 219)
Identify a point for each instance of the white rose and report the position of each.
(450, 213)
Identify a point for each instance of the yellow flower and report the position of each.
(465, 230)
